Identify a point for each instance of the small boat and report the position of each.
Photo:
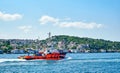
(46, 56)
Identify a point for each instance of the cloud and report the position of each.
(9, 17)
(81, 25)
(25, 29)
(47, 19)
(66, 23)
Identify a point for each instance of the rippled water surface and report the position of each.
(73, 63)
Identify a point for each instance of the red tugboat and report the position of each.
(46, 54)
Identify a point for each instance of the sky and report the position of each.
(33, 19)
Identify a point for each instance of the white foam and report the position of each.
(11, 60)
(69, 57)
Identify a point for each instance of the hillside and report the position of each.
(63, 42)
(87, 43)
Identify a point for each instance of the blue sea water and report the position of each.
(73, 63)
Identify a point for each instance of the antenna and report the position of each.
(49, 39)
(49, 35)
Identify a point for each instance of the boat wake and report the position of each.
(26, 62)
(70, 59)
(23, 60)
(11, 60)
